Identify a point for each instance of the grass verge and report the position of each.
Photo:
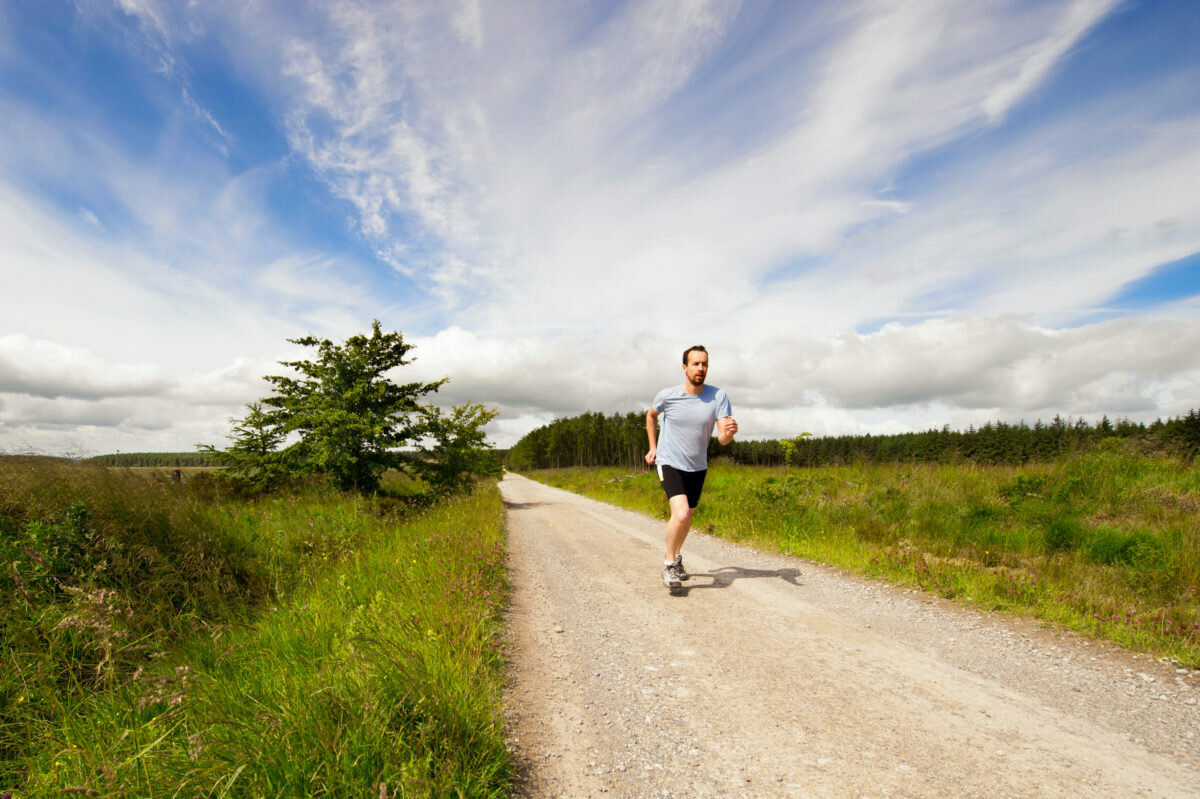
(355, 652)
(1106, 543)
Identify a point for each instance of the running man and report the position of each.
(689, 413)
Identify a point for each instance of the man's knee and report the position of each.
(680, 512)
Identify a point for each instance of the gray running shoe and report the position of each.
(671, 577)
(682, 572)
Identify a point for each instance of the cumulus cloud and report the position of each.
(531, 375)
(55, 388)
(86, 427)
(963, 370)
(66, 414)
(50, 370)
(981, 363)
(226, 387)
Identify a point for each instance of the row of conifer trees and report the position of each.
(166, 460)
(593, 439)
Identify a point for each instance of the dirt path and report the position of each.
(773, 676)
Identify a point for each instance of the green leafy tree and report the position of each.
(253, 446)
(349, 416)
(459, 450)
(345, 417)
(349, 421)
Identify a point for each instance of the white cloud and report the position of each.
(891, 205)
(309, 279)
(157, 327)
(87, 215)
(228, 387)
(81, 428)
(206, 116)
(1043, 55)
(51, 370)
(350, 117)
(578, 193)
(956, 371)
(468, 23)
(148, 13)
(192, 243)
(1020, 235)
(535, 174)
(67, 413)
(1007, 363)
(579, 221)
(54, 389)
(65, 287)
(532, 374)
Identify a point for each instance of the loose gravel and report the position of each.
(774, 676)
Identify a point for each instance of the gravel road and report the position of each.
(773, 676)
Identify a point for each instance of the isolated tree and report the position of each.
(349, 421)
(457, 449)
(348, 416)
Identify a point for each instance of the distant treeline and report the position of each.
(592, 439)
(620, 440)
(171, 460)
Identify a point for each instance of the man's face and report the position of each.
(697, 367)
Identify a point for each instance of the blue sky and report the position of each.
(878, 217)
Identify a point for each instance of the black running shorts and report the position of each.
(675, 481)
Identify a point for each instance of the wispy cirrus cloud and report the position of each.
(877, 215)
(506, 165)
(1035, 64)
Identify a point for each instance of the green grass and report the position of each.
(1106, 543)
(312, 643)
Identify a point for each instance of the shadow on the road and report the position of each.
(522, 505)
(727, 575)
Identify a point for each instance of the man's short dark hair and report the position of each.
(690, 350)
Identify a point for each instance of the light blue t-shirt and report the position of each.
(687, 425)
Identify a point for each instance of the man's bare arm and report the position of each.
(726, 429)
(652, 434)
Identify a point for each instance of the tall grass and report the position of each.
(170, 640)
(1107, 543)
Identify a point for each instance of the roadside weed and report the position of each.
(316, 644)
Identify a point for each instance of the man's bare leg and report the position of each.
(678, 527)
